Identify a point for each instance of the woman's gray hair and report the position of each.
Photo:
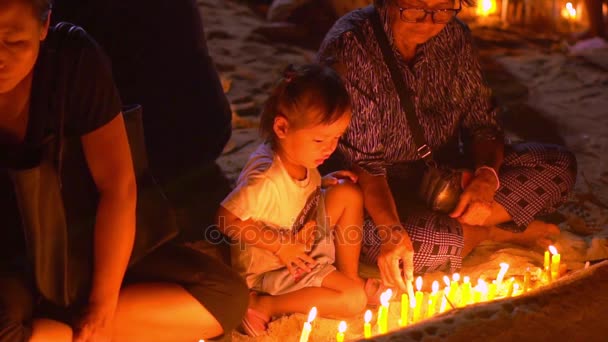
(41, 8)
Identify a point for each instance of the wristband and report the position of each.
(491, 169)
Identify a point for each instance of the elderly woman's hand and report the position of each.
(396, 249)
(337, 177)
(475, 204)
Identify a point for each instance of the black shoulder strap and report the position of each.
(407, 104)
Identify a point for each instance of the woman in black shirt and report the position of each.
(173, 294)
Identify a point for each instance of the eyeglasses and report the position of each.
(439, 16)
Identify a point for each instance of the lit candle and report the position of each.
(501, 274)
(446, 293)
(419, 297)
(481, 291)
(492, 290)
(465, 291)
(430, 312)
(405, 310)
(515, 289)
(454, 288)
(367, 327)
(383, 311)
(510, 285)
(341, 330)
(546, 266)
(526, 280)
(307, 325)
(555, 261)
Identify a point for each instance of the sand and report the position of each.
(565, 97)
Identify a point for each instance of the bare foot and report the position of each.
(537, 234)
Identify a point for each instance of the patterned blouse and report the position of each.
(451, 96)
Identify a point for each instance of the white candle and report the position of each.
(501, 274)
(367, 327)
(307, 325)
(341, 330)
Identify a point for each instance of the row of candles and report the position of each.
(419, 305)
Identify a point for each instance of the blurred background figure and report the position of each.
(302, 22)
(160, 60)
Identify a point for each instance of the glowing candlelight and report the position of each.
(501, 274)
(492, 291)
(430, 312)
(515, 289)
(555, 261)
(481, 291)
(486, 7)
(465, 292)
(419, 297)
(510, 285)
(341, 330)
(307, 325)
(367, 327)
(569, 12)
(454, 288)
(383, 311)
(527, 276)
(405, 310)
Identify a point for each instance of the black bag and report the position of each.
(58, 200)
(441, 187)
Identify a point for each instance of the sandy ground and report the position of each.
(544, 93)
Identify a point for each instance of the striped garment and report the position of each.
(452, 101)
(445, 76)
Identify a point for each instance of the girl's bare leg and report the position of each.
(344, 208)
(339, 296)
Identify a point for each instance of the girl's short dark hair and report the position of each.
(381, 3)
(310, 89)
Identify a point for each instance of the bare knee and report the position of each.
(354, 300)
(346, 193)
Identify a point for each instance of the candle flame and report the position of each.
(553, 250)
(503, 270)
(515, 287)
(456, 277)
(466, 279)
(435, 286)
(312, 314)
(482, 286)
(569, 12)
(342, 327)
(419, 283)
(446, 280)
(385, 296)
(486, 7)
(368, 316)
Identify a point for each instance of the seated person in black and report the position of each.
(173, 294)
(160, 60)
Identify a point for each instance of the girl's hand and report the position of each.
(334, 178)
(96, 323)
(294, 250)
(475, 204)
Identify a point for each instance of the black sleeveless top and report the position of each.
(91, 100)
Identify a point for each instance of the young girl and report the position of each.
(290, 231)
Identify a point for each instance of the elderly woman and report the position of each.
(510, 185)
